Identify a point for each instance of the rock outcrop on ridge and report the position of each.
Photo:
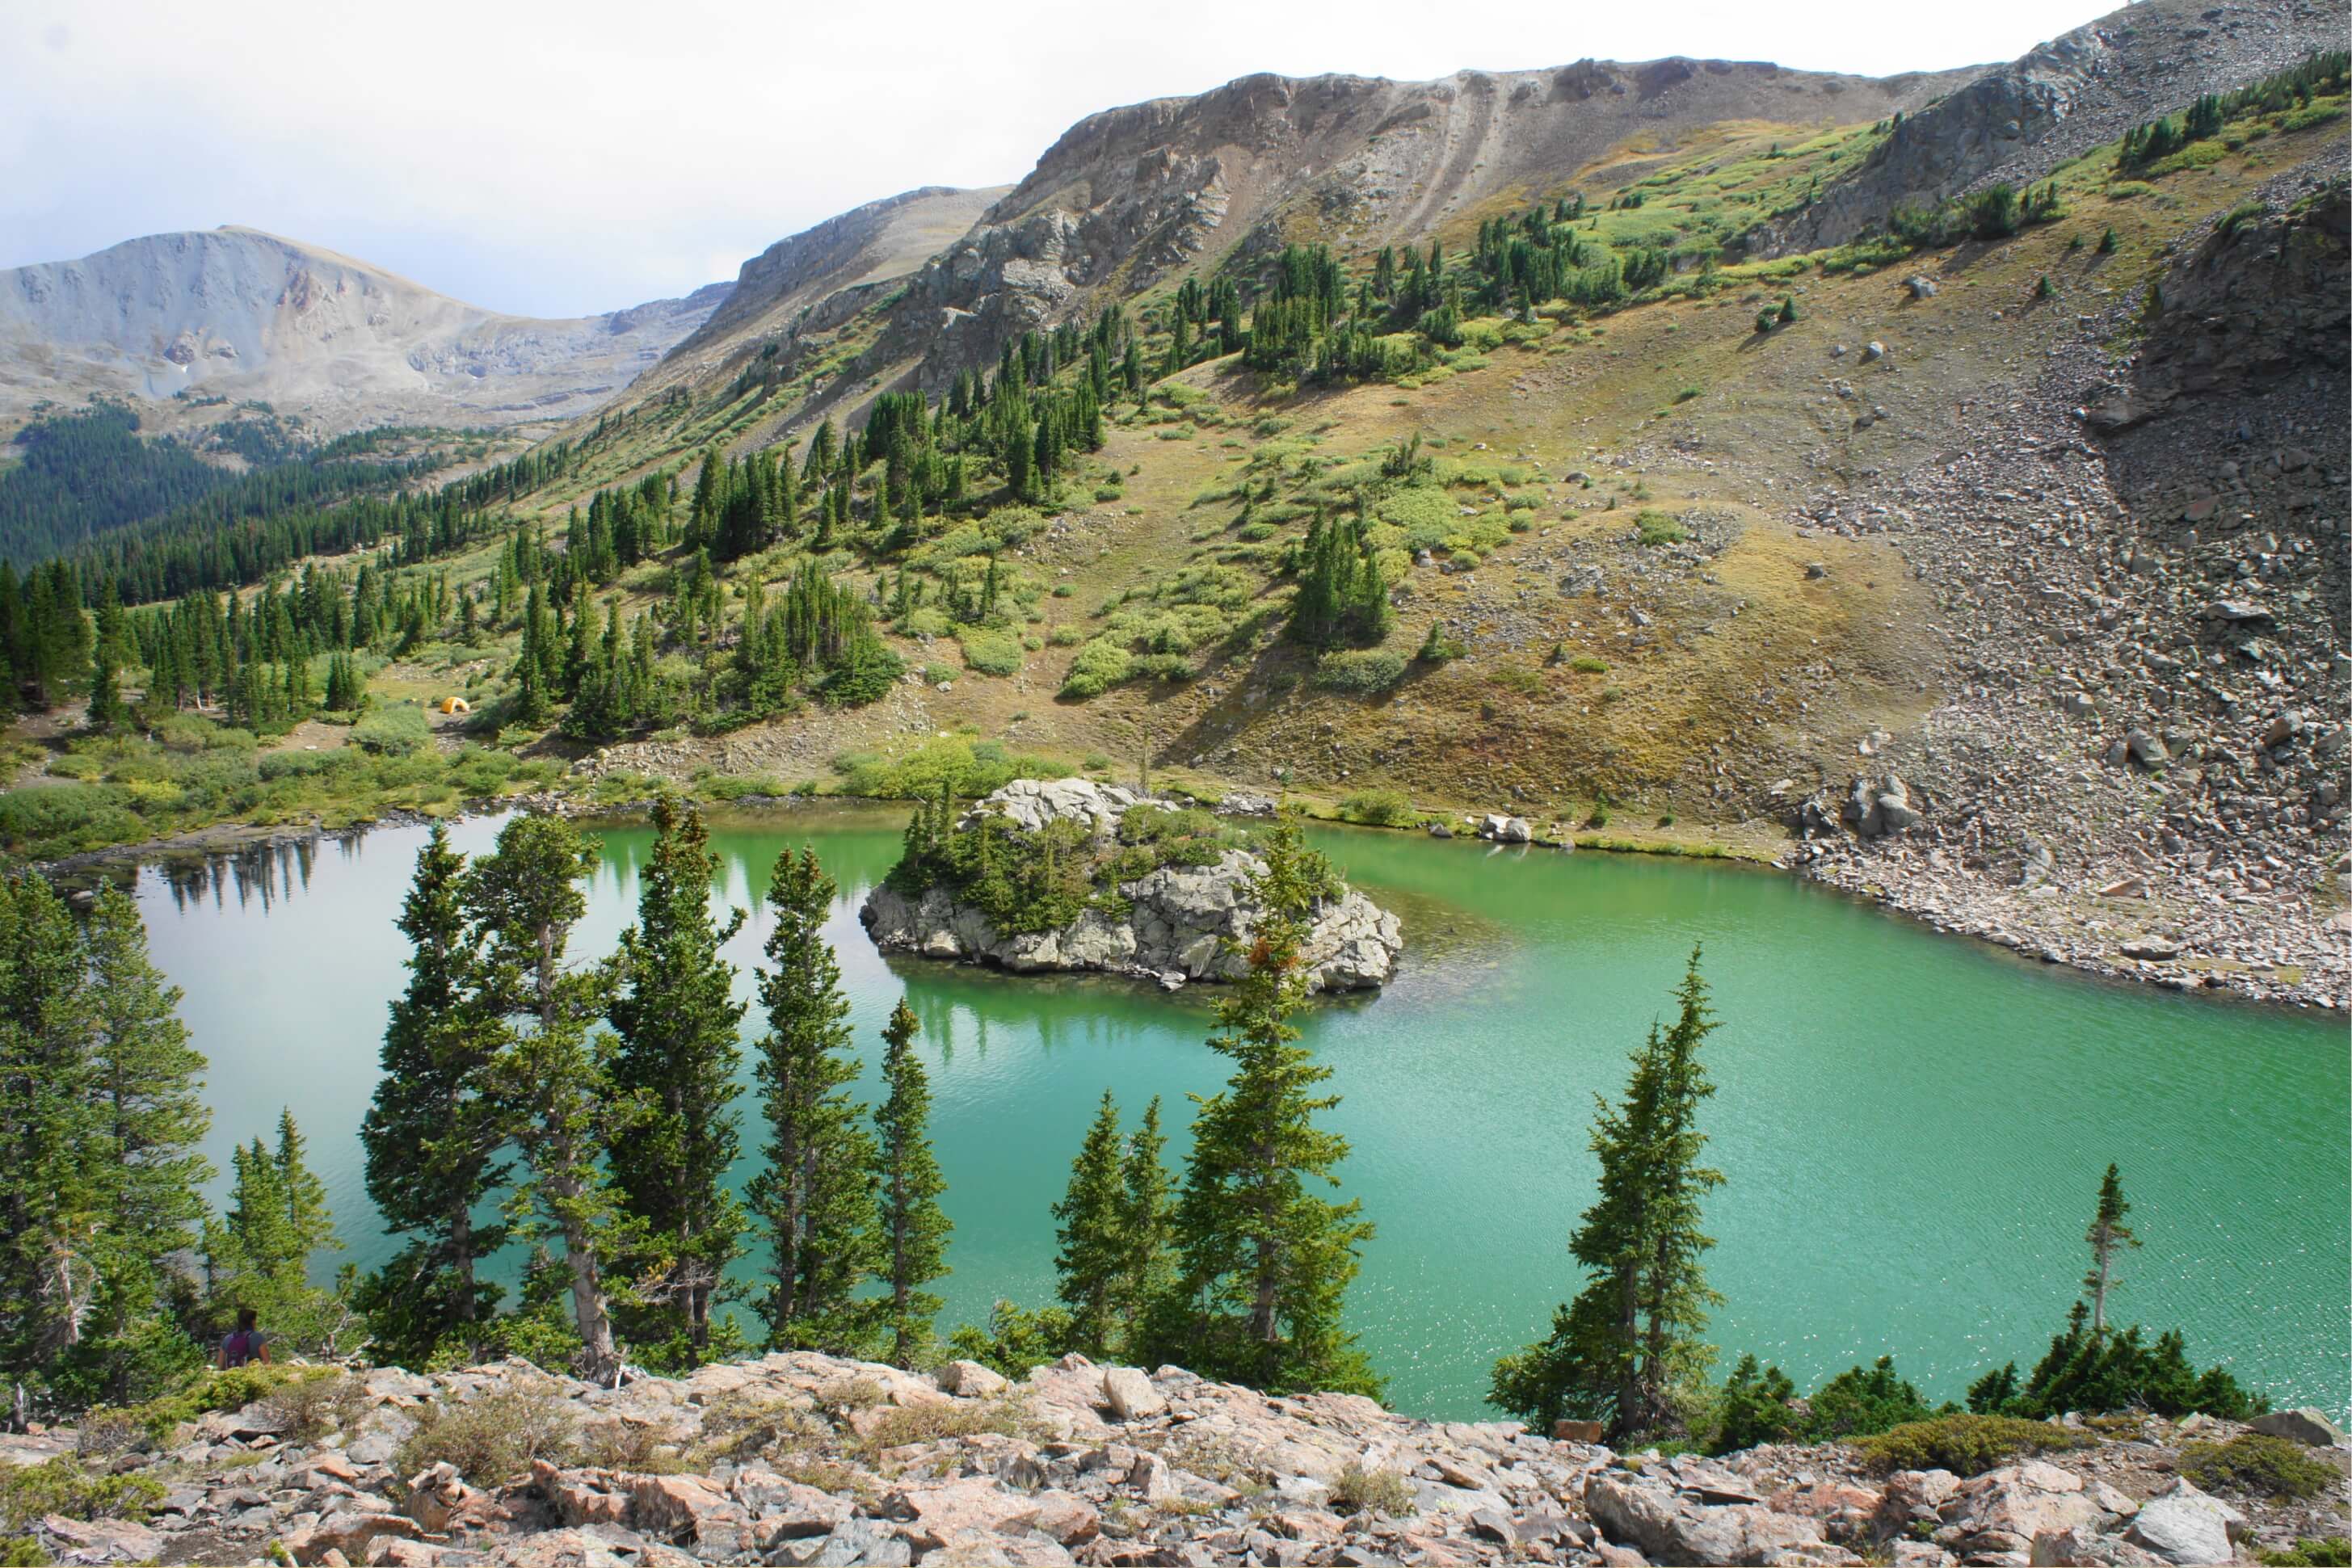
(804, 1458)
(1178, 923)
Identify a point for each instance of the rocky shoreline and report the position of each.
(2154, 942)
(2233, 944)
(799, 1458)
(2138, 768)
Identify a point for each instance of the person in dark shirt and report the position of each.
(246, 1343)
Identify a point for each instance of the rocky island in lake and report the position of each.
(1068, 875)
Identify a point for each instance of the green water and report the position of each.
(1912, 1127)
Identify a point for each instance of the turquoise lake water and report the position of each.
(1912, 1127)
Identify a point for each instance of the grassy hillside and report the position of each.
(1604, 521)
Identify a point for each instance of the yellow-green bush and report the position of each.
(1964, 1444)
(29, 1493)
(491, 1439)
(2256, 1463)
(989, 653)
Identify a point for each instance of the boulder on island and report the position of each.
(1068, 875)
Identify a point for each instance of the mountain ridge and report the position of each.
(241, 313)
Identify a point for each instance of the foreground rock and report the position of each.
(1178, 923)
(802, 1458)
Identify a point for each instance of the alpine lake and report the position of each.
(1911, 1127)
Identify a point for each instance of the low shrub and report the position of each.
(29, 1492)
(991, 653)
(844, 1395)
(1378, 807)
(1361, 1490)
(736, 786)
(1099, 666)
(492, 1438)
(311, 1406)
(480, 771)
(938, 1423)
(397, 730)
(1656, 529)
(631, 1446)
(276, 764)
(2320, 1551)
(741, 1427)
(1586, 665)
(971, 767)
(212, 1390)
(1964, 1444)
(2255, 1463)
(1365, 674)
(66, 818)
(2243, 214)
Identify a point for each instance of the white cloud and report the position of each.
(559, 159)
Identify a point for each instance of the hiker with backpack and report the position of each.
(247, 1342)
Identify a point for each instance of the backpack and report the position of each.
(240, 1346)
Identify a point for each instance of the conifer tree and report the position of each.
(534, 699)
(2107, 1236)
(815, 1199)
(1146, 1205)
(1265, 1258)
(259, 1253)
(912, 1229)
(1089, 1222)
(434, 1127)
(49, 1198)
(550, 1073)
(107, 710)
(1630, 1340)
(248, 1250)
(309, 1221)
(675, 1018)
(142, 1156)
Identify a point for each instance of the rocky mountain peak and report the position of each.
(243, 313)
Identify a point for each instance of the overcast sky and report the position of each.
(563, 159)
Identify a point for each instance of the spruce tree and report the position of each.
(912, 1229)
(2107, 1236)
(1265, 1259)
(248, 1249)
(676, 1020)
(434, 1126)
(1621, 1349)
(99, 1120)
(148, 1092)
(309, 1221)
(550, 1073)
(1089, 1222)
(259, 1253)
(49, 1198)
(814, 1197)
(1146, 1205)
(107, 709)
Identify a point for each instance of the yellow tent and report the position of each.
(456, 704)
